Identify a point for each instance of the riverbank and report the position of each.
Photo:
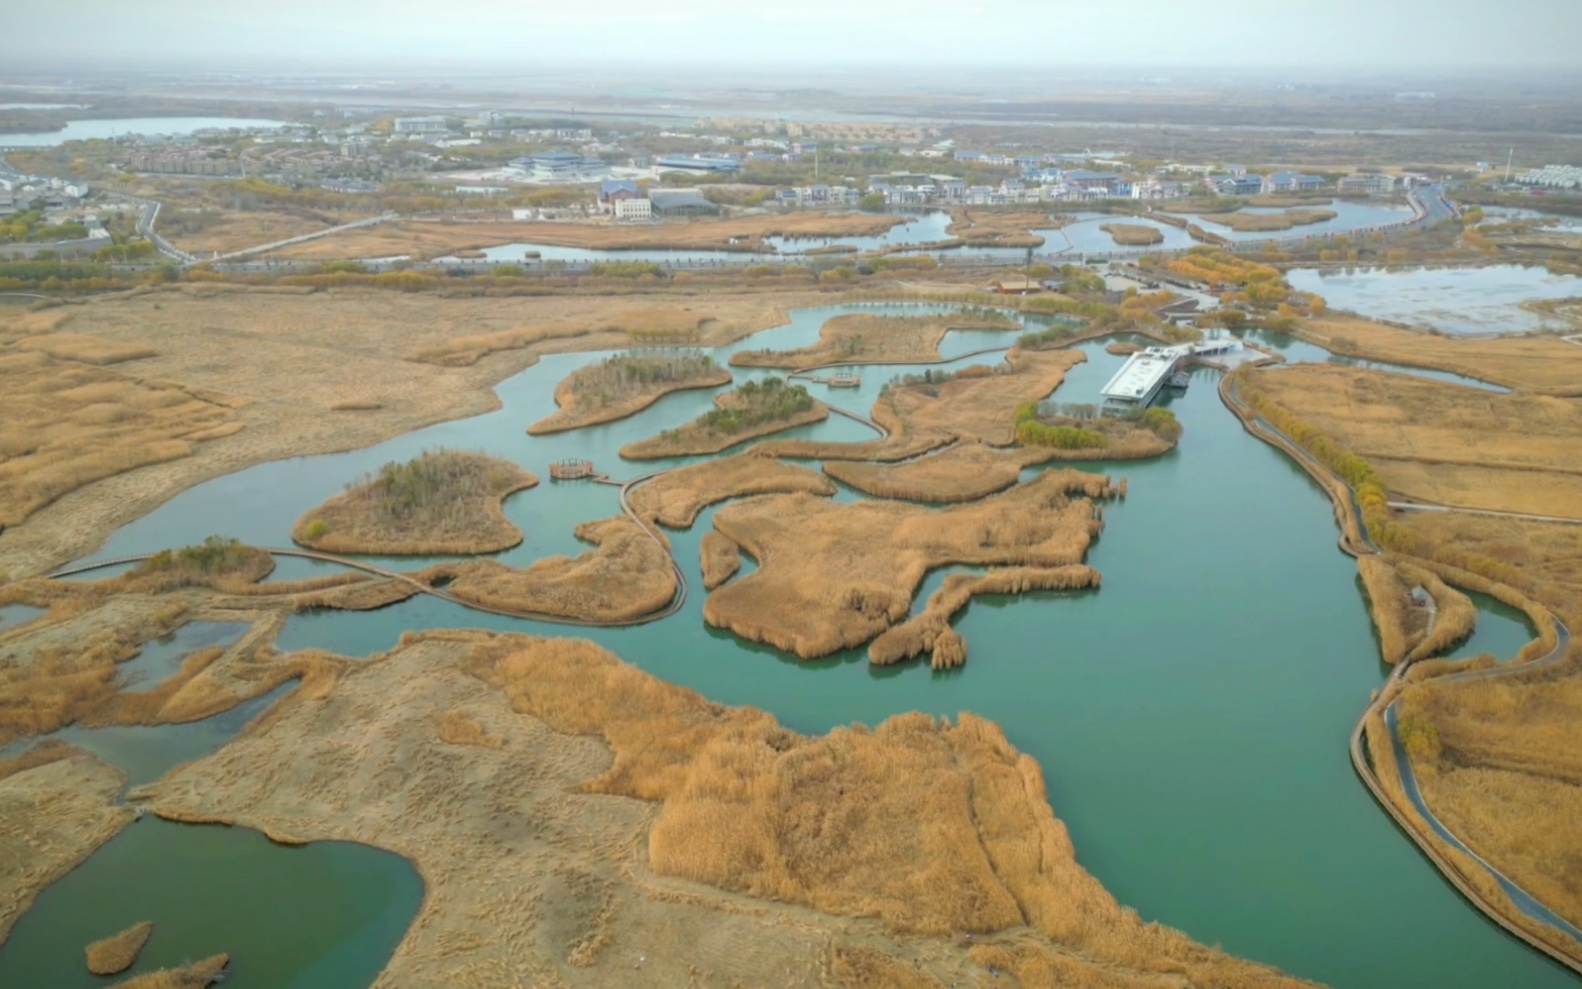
(812, 595)
(437, 238)
(623, 386)
(755, 409)
(304, 348)
(632, 791)
(452, 496)
(1374, 742)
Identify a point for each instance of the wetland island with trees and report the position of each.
(1083, 527)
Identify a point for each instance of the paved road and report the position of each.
(1417, 506)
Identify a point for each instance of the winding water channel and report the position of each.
(1191, 717)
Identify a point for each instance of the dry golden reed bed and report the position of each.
(1441, 443)
(627, 575)
(834, 575)
(1405, 630)
(56, 807)
(675, 497)
(679, 324)
(929, 631)
(720, 559)
(1539, 364)
(427, 239)
(1000, 228)
(871, 338)
(100, 446)
(1133, 234)
(118, 952)
(982, 407)
(197, 975)
(442, 501)
(65, 423)
(595, 394)
(1493, 755)
(752, 410)
(966, 471)
(1498, 763)
(651, 818)
(1264, 222)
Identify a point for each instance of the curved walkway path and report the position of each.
(1360, 760)
(675, 605)
(1426, 506)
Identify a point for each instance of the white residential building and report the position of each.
(1553, 176)
(1368, 185)
(634, 209)
(420, 125)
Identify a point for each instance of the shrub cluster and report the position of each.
(624, 375)
(214, 555)
(758, 402)
(427, 488)
(1031, 432)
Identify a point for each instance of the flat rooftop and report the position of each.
(1142, 374)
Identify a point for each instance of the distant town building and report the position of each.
(1292, 182)
(1236, 185)
(1553, 177)
(1366, 185)
(613, 191)
(559, 166)
(699, 163)
(680, 202)
(1082, 178)
(635, 209)
(420, 125)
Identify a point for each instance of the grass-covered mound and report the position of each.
(757, 408)
(625, 384)
(441, 501)
(1075, 431)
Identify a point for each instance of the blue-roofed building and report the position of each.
(698, 163)
(1236, 185)
(1086, 179)
(1285, 181)
(559, 166)
(680, 202)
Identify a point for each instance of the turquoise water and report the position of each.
(1501, 630)
(321, 916)
(161, 657)
(1081, 236)
(1190, 717)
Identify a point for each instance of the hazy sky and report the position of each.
(325, 34)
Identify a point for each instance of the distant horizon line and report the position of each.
(32, 63)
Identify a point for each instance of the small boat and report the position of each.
(844, 379)
(1180, 379)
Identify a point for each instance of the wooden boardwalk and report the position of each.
(675, 605)
(1349, 514)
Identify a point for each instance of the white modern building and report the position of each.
(1553, 177)
(1369, 185)
(420, 125)
(634, 209)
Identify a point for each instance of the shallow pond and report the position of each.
(319, 916)
(1452, 300)
(1190, 717)
(161, 657)
(12, 615)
